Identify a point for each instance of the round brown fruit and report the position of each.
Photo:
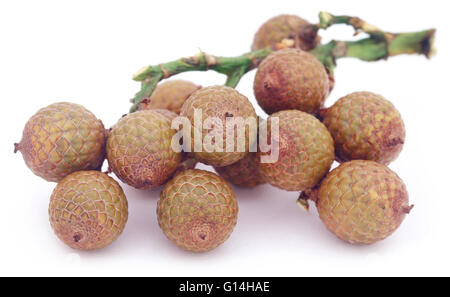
(305, 151)
(219, 103)
(243, 173)
(365, 126)
(169, 95)
(197, 210)
(139, 149)
(62, 138)
(291, 79)
(88, 210)
(282, 27)
(362, 202)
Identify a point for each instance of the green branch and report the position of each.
(379, 45)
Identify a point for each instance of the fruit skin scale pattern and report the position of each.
(88, 210)
(362, 201)
(139, 149)
(365, 126)
(62, 138)
(306, 152)
(243, 173)
(291, 79)
(219, 102)
(197, 210)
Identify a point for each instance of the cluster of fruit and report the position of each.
(361, 201)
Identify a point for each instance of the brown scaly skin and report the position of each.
(188, 161)
(62, 138)
(282, 27)
(361, 202)
(306, 152)
(169, 95)
(243, 173)
(139, 149)
(220, 102)
(291, 79)
(88, 210)
(365, 126)
(197, 210)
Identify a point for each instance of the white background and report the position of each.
(87, 51)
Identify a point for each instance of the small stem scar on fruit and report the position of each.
(378, 45)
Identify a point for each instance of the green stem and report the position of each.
(233, 67)
(379, 45)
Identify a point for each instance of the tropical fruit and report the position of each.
(361, 201)
(291, 79)
(302, 152)
(62, 138)
(243, 173)
(219, 144)
(139, 149)
(275, 30)
(365, 126)
(170, 115)
(197, 210)
(169, 95)
(88, 210)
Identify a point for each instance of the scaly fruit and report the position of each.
(361, 201)
(305, 151)
(139, 149)
(169, 95)
(243, 173)
(88, 210)
(188, 161)
(170, 115)
(291, 79)
(275, 30)
(62, 138)
(197, 210)
(217, 104)
(365, 126)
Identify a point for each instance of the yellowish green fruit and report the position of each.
(361, 202)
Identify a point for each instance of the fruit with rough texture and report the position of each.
(139, 149)
(291, 79)
(243, 173)
(170, 115)
(275, 30)
(88, 210)
(365, 126)
(197, 210)
(169, 95)
(62, 138)
(219, 103)
(305, 151)
(362, 202)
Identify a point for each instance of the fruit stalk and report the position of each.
(378, 45)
